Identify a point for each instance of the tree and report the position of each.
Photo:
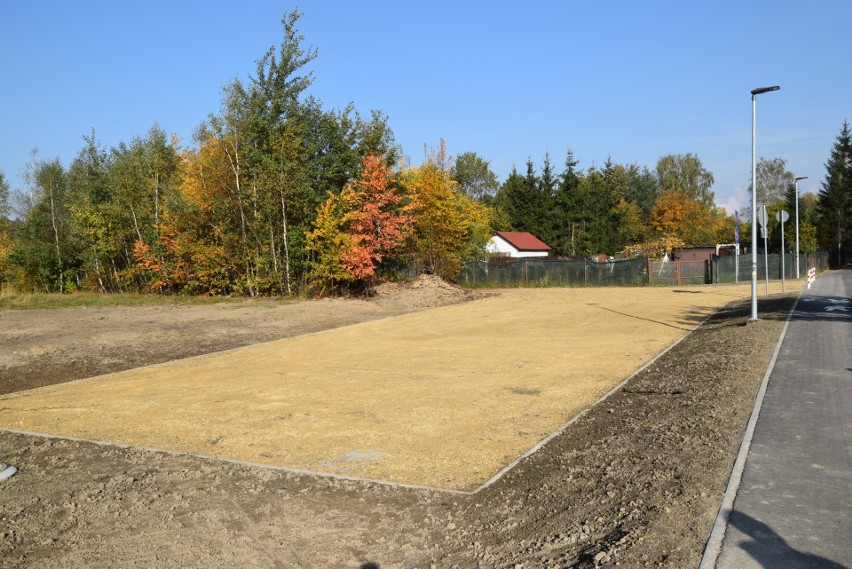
(144, 178)
(474, 177)
(568, 205)
(686, 174)
(92, 220)
(359, 234)
(283, 153)
(835, 197)
(544, 226)
(328, 242)
(449, 227)
(5, 210)
(692, 222)
(642, 187)
(42, 252)
(598, 201)
(628, 222)
(528, 200)
(773, 180)
(5, 227)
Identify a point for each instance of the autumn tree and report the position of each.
(329, 242)
(449, 227)
(692, 222)
(359, 235)
(284, 153)
(93, 220)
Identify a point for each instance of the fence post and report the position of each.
(585, 272)
(526, 274)
(677, 271)
(650, 281)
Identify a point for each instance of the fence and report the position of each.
(629, 272)
(725, 270)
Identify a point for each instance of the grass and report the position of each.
(11, 299)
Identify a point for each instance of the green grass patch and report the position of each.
(10, 299)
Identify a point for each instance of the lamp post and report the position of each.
(797, 223)
(754, 95)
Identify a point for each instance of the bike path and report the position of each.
(793, 507)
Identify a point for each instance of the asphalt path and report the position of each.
(793, 506)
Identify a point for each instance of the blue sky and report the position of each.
(508, 80)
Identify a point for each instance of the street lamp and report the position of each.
(754, 95)
(797, 223)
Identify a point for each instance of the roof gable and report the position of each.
(523, 241)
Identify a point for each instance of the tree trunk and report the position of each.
(286, 245)
(56, 242)
(135, 223)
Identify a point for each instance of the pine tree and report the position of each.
(835, 198)
(567, 205)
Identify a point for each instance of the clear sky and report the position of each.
(627, 80)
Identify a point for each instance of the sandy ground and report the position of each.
(636, 481)
(444, 398)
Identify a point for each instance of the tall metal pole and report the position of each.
(797, 223)
(754, 94)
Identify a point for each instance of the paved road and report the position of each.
(793, 508)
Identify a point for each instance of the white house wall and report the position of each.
(499, 246)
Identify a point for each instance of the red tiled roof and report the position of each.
(523, 241)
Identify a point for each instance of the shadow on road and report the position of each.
(771, 550)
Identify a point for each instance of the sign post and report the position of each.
(782, 216)
(762, 218)
(737, 247)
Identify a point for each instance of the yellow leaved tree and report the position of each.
(449, 227)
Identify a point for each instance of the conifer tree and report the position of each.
(835, 198)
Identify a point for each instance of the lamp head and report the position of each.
(760, 90)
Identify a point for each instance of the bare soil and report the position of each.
(635, 482)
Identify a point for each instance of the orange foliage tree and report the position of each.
(190, 254)
(694, 223)
(360, 234)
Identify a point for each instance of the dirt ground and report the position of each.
(635, 482)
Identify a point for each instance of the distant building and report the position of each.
(517, 244)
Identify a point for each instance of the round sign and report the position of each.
(782, 216)
(761, 217)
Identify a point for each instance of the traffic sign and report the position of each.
(782, 216)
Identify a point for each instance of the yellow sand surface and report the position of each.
(442, 398)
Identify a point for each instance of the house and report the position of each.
(517, 244)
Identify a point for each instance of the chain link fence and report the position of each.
(631, 272)
(729, 269)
